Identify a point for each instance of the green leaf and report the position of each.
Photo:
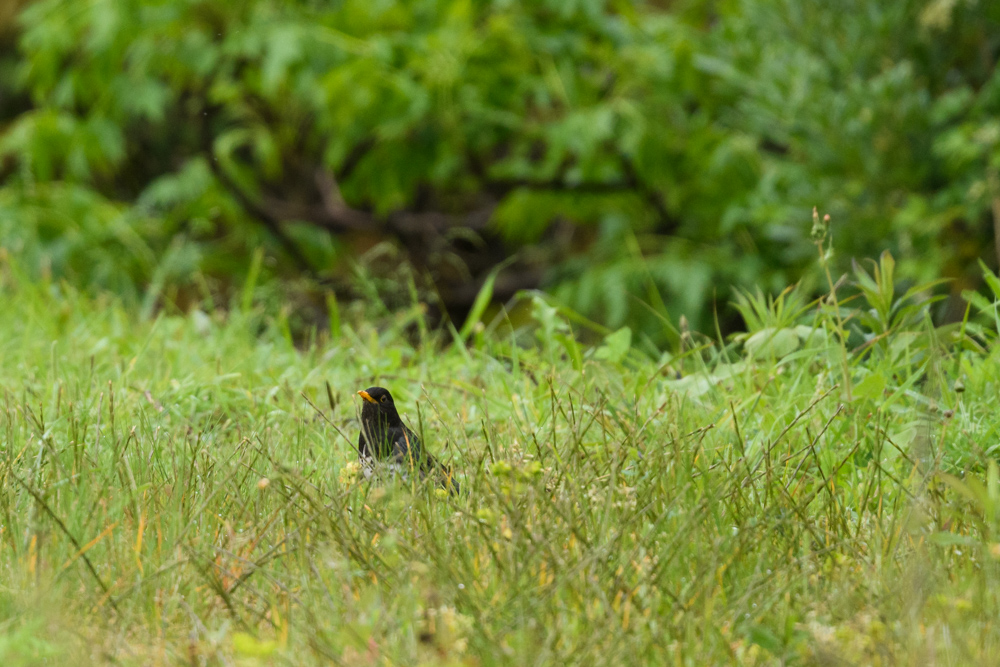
(616, 346)
(765, 638)
(981, 303)
(482, 301)
(773, 343)
(333, 309)
(246, 301)
(871, 387)
(991, 279)
(572, 350)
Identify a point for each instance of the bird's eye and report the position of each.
(382, 399)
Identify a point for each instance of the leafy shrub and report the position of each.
(637, 160)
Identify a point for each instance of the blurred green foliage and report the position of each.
(637, 158)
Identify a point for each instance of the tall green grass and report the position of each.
(183, 489)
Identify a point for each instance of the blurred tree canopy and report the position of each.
(623, 153)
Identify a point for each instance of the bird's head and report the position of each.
(378, 404)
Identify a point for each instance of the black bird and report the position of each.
(384, 437)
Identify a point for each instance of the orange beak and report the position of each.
(365, 395)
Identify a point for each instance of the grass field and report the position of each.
(182, 490)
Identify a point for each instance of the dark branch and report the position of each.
(271, 222)
(652, 196)
(632, 181)
(353, 158)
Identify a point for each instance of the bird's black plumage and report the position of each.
(384, 437)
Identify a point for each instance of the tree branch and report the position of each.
(354, 158)
(652, 196)
(632, 181)
(271, 222)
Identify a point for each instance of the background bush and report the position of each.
(661, 151)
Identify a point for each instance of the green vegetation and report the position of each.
(219, 220)
(184, 489)
(621, 152)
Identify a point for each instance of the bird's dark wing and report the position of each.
(408, 453)
(406, 446)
